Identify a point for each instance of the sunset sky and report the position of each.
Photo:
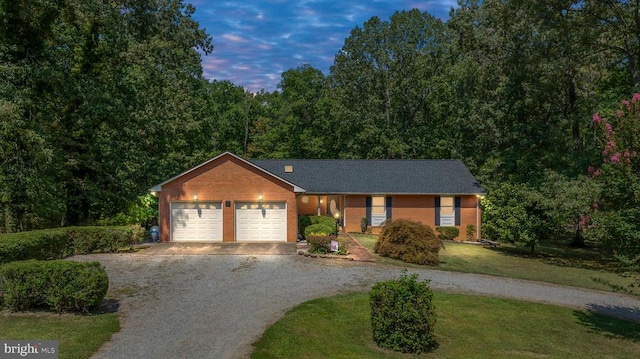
(256, 41)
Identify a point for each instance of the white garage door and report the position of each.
(196, 222)
(261, 222)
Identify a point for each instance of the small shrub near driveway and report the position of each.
(320, 243)
(58, 285)
(408, 241)
(402, 314)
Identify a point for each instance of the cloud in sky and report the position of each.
(256, 41)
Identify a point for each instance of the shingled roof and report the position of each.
(375, 176)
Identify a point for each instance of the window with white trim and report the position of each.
(378, 210)
(447, 212)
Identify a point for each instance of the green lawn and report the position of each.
(467, 327)
(78, 336)
(553, 263)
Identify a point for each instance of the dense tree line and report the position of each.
(101, 100)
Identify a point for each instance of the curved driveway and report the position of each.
(215, 306)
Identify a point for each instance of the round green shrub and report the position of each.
(59, 285)
(323, 220)
(320, 228)
(402, 315)
(447, 233)
(408, 241)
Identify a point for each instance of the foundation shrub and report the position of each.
(303, 223)
(447, 233)
(471, 232)
(320, 228)
(330, 221)
(58, 285)
(408, 241)
(319, 242)
(402, 315)
(364, 223)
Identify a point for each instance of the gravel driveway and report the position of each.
(215, 306)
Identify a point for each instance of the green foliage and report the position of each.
(141, 212)
(323, 229)
(319, 242)
(615, 213)
(303, 223)
(61, 242)
(471, 232)
(408, 241)
(364, 222)
(323, 220)
(509, 214)
(402, 314)
(447, 233)
(322, 225)
(61, 286)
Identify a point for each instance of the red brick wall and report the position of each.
(414, 207)
(311, 208)
(356, 208)
(227, 179)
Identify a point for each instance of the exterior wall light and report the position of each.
(195, 196)
(259, 198)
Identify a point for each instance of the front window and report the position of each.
(378, 210)
(447, 211)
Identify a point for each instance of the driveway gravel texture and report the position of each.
(216, 306)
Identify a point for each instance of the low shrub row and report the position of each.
(61, 286)
(62, 242)
(320, 243)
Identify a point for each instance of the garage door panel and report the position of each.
(196, 221)
(261, 221)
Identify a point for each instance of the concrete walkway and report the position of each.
(216, 306)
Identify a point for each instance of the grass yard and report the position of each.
(557, 264)
(467, 327)
(79, 336)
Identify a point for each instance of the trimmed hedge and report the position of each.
(322, 229)
(318, 225)
(323, 220)
(322, 243)
(62, 242)
(402, 314)
(61, 286)
(408, 241)
(447, 233)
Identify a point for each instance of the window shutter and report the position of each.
(457, 209)
(368, 212)
(437, 209)
(388, 209)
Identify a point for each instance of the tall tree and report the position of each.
(384, 78)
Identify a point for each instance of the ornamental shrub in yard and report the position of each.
(447, 233)
(58, 285)
(402, 314)
(408, 241)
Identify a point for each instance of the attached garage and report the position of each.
(196, 221)
(261, 222)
